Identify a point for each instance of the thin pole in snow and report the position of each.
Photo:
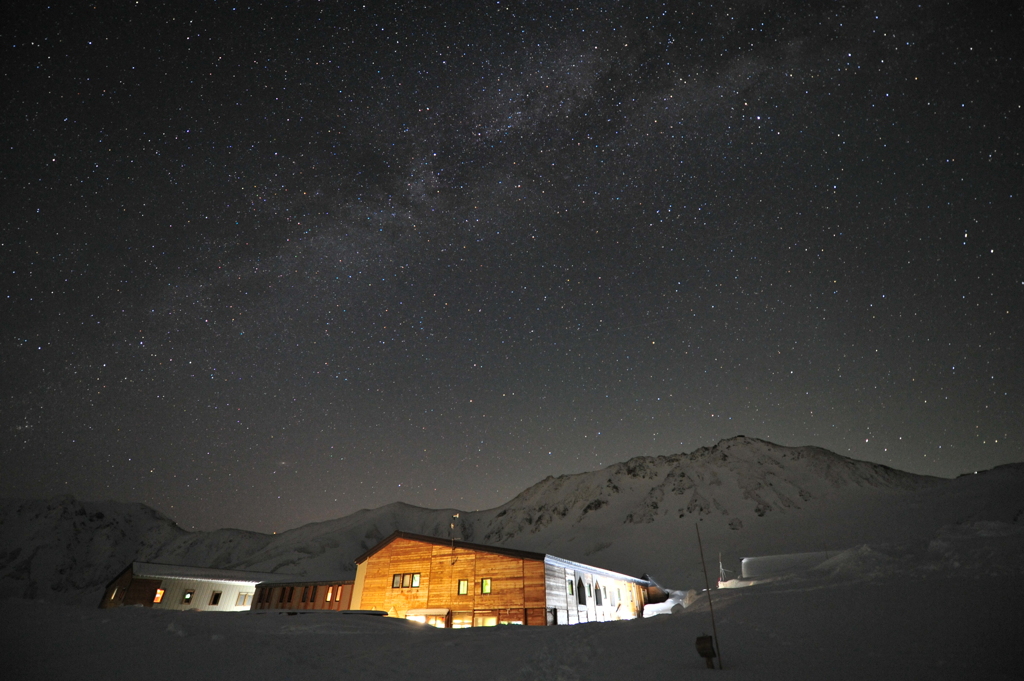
(707, 584)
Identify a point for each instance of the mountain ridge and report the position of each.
(634, 516)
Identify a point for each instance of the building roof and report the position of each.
(306, 582)
(448, 542)
(530, 555)
(203, 574)
(573, 565)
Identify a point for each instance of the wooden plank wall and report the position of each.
(517, 584)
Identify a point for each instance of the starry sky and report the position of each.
(266, 264)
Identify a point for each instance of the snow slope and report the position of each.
(749, 497)
(866, 613)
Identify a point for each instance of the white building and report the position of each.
(180, 587)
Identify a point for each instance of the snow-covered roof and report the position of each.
(530, 555)
(583, 567)
(204, 574)
(455, 543)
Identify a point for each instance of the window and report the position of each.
(581, 594)
(569, 584)
(590, 591)
(280, 596)
(485, 586)
(330, 590)
(463, 587)
(243, 599)
(187, 598)
(113, 594)
(410, 580)
(312, 593)
(215, 598)
(462, 620)
(597, 596)
(485, 620)
(305, 594)
(158, 596)
(291, 594)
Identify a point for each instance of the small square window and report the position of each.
(187, 598)
(396, 581)
(415, 580)
(406, 580)
(215, 598)
(243, 599)
(158, 596)
(463, 587)
(485, 585)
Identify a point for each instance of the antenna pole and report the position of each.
(707, 584)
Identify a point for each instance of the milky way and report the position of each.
(265, 265)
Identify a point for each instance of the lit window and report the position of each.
(406, 580)
(159, 596)
(462, 620)
(485, 621)
(187, 598)
(113, 594)
(415, 580)
(243, 599)
(330, 590)
(396, 581)
(463, 587)
(485, 585)
(215, 598)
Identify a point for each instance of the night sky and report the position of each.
(271, 264)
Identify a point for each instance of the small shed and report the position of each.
(183, 587)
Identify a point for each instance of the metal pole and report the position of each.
(707, 584)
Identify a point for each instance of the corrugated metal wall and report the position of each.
(174, 593)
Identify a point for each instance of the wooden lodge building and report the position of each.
(436, 581)
(456, 584)
(303, 595)
(180, 587)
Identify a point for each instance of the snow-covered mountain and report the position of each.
(749, 497)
